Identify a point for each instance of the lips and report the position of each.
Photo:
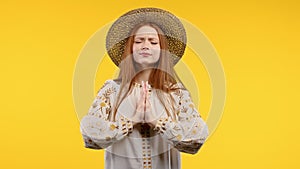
(145, 54)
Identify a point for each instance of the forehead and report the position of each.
(146, 30)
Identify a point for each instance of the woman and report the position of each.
(146, 116)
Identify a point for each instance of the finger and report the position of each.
(141, 96)
(142, 92)
(148, 108)
(145, 86)
(146, 90)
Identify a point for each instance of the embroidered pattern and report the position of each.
(187, 132)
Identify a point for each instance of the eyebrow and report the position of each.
(142, 38)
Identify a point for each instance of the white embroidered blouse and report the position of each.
(142, 146)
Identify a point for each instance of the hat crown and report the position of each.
(120, 31)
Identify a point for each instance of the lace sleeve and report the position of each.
(189, 131)
(97, 130)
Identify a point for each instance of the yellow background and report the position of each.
(258, 44)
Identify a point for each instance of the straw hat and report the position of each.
(120, 30)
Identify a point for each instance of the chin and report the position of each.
(146, 65)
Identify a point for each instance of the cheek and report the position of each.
(134, 47)
(134, 50)
(157, 54)
(157, 50)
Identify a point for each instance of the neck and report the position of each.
(143, 76)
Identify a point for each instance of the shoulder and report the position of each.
(179, 85)
(110, 85)
(178, 89)
(111, 82)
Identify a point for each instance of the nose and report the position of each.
(145, 45)
(145, 48)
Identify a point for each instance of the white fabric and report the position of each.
(141, 146)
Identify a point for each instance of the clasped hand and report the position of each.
(143, 112)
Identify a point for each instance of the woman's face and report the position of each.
(146, 46)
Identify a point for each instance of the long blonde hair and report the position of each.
(162, 77)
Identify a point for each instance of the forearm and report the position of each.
(185, 135)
